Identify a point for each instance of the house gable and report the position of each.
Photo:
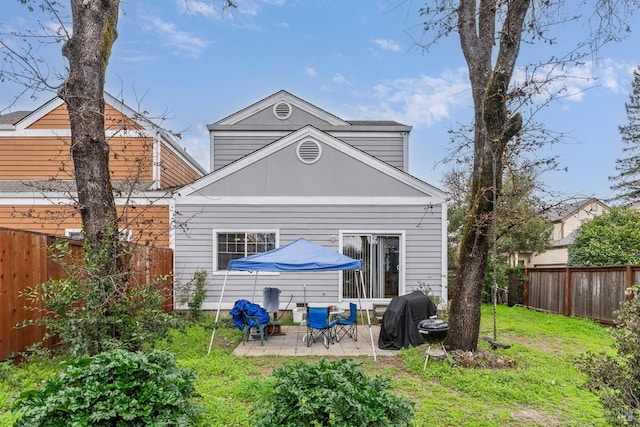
(566, 219)
(272, 118)
(37, 184)
(282, 109)
(40, 140)
(340, 171)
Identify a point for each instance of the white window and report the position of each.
(125, 235)
(74, 233)
(232, 245)
(77, 234)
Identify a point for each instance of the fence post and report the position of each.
(525, 297)
(629, 295)
(568, 309)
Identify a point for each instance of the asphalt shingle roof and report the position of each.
(13, 117)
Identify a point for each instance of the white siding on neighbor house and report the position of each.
(557, 231)
(550, 258)
(572, 222)
(421, 227)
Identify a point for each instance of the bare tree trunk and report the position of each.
(88, 51)
(494, 127)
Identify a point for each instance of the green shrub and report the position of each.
(615, 378)
(114, 388)
(331, 394)
(89, 312)
(192, 295)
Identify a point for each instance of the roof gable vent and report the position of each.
(309, 151)
(282, 110)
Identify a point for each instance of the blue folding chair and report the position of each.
(348, 325)
(318, 326)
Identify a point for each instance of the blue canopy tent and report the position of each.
(298, 256)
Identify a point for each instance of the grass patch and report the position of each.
(543, 389)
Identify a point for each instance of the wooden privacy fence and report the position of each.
(592, 292)
(24, 263)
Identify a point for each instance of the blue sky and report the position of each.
(195, 64)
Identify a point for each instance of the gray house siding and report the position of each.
(334, 174)
(317, 223)
(389, 148)
(257, 125)
(230, 146)
(266, 118)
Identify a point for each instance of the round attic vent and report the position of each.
(309, 151)
(282, 110)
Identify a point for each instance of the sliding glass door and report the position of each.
(380, 255)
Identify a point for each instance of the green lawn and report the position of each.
(543, 389)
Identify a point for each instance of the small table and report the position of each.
(335, 312)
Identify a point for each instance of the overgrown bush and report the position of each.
(89, 312)
(115, 388)
(330, 393)
(616, 378)
(192, 295)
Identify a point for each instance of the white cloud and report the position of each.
(340, 79)
(136, 58)
(180, 42)
(572, 82)
(194, 7)
(612, 73)
(253, 7)
(418, 101)
(311, 72)
(386, 44)
(428, 100)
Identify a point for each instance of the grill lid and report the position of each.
(433, 325)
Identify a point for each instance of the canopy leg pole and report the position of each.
(215, 322)
(253, 298)
(373, 347)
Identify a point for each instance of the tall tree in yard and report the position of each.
(627, 183)
(97, 307)
(490, 34)
(88, 51)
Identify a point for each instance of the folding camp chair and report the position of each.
(347, 325)
(318, 326)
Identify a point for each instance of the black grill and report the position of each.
(433, 330)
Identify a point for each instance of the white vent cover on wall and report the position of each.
(282, 110)
(309, 151)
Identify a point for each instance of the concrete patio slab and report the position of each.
(291, 344)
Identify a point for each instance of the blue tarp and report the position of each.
(299, 255)
(252, 310)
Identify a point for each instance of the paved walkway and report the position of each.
(290, 344)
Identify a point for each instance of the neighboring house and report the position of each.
(37, 188)
(282, 169)
(566, 219)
